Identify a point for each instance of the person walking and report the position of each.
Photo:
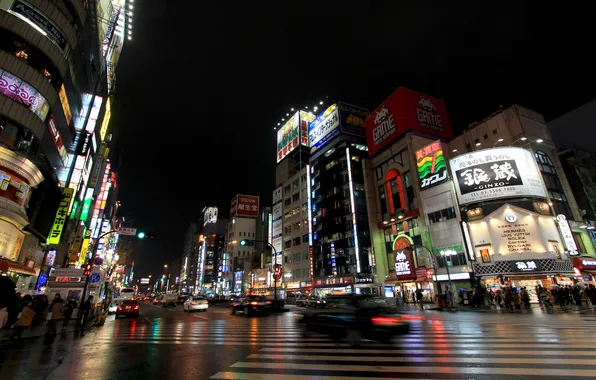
(525, 297)
(25, 319)
(68, 310)
(85, 309)
(57, 312)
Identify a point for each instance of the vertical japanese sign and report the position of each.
(430, 161)
(288, 136)
(245, 206)
(56, 231)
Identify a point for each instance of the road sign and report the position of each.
(127, 231)
(95, 277)
(98, 261)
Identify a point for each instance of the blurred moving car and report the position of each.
(114, 305)
(169, 300)
(196, 303)
(128, 308)
(310, 301)
(356, 317)
(183, 297)
(251, 305)
(157, 300)
(127, 293)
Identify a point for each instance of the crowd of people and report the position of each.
(18, 313)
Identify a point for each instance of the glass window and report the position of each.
(579, 242)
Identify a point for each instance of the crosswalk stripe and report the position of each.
(364, 351)
(270, 376)
(413, 359)
(411, 369)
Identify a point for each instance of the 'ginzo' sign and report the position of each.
(384, 126)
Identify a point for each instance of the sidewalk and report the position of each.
(483, 309)
(41, 330)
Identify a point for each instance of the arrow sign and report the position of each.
(127, 231)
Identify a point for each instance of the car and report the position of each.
(114, 305)
(128, 308)
(169, 300)
(311, 301)
(157, 301)
(182, 298)
(196, 303)
(356, 317)
(251, 305)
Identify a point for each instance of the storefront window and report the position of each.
(456, 260)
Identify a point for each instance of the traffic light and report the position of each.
(277, 272)
(145, 235)
(429, 273)
(247, 242)
(87, 270)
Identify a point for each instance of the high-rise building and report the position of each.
(342, 256)
(290, 225)
(57, 63)
(240, 258)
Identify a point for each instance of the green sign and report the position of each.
(449, 263)
(456, 248)
(75, 206)
(86, 208)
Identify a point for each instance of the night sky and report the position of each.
(201, 86)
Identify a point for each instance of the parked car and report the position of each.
(251, 305)
(128, 308)
(356, 317)
(196, 303)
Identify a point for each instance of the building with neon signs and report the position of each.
(342, 255)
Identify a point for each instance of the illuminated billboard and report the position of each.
(65, 105)
(57, 139)
(340, 118)
(106, 120)
(496, 173)
(60, 219)
(293, 133)
(406, 110)
(22, 92)
(246, 206)
(432, 169)
(210, 215)
(40, 22)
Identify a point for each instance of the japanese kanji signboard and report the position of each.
(431, 165)
(496, 173)
(60, 220)
(246, 206)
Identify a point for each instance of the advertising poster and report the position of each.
(20, 91)
(11, 241)
(288, 136)
(351, 119)
(277, 195)
(305, 119)
(246, 206)
(406, 110)
(432, 169)
(324, 128)
(210, 215)
(276, 227)
(496, 173)
(65, 105)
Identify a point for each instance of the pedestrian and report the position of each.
(84, 310)
(24, 320)
(55, 313)
(584, 297)
(592, 294)
(68, 310)
(419, 296)
(525, 297)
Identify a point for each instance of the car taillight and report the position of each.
(193, 303)
(414, 317)
(204, 302)
(253, 303)
(268, 302)
(119, 307)
(385, 320)
(136, 307)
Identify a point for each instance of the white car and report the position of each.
(196, 303)
(114, 305)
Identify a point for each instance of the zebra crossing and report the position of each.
(434, 349)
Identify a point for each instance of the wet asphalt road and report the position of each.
(169, 344)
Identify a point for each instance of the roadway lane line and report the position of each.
(272, 376)
(432, 352)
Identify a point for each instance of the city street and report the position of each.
(166, 343)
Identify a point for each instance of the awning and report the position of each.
(12, 266)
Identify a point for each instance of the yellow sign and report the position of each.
(56, 231)
(106, 121)
(84, 250)
(65, 105)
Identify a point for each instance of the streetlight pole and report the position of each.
(446, 254)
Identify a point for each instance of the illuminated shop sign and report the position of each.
(13, 187)
(210, 215)
(293, 133)
(61, 214)
(430, 161)
(97, 102)
(65, 105)
(526, 266)
(22, 92)
(57, 138)
(324, 128)
(496, 173)
(84, 144)
(40, 22)
(245, 206)
(567, 235)
(106, 120)
(86, 204)
(403, 257)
